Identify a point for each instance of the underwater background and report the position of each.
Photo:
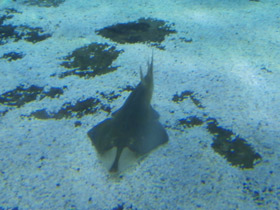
(67, 65)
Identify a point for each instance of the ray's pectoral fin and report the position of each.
(106, 138)
(102, 136)
(149, 137)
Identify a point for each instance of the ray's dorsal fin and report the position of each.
(148, 80)
(134, 126)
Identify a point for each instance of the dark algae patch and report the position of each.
(41, 114)
(110, 97)
(33, 35)
(187, 95)
(9, 208)
(79, 109)
(91, 60)
(119, 207)
(184, 39)
(184, 95)
(123, 206)
(264, 69)
(128, 88)
(191, 121)
(260, 194)
(140, 31)
(44, 3)
(53, 92)
(78, 123)
(235, 149)
(12, 56)
(9, 32)
(22, 95)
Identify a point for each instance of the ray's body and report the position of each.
(135, 125)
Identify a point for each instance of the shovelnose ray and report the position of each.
(134, 126)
